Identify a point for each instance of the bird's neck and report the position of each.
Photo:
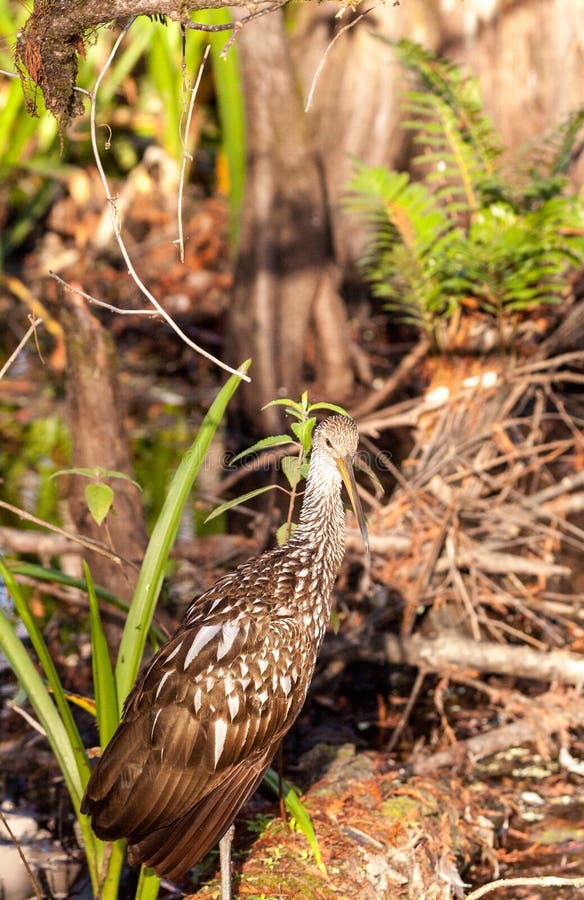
(320, 533)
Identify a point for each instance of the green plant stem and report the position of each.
(293, 493)
(110, 886)
(147, 885)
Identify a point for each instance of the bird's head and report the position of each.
(335, 442)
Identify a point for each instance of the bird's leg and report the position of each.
(225, 862)
(280, 758)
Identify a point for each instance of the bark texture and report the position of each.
(286, 311)
(96, 419)
(355, 110)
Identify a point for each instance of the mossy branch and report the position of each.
(49, 45)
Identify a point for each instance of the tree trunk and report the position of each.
(96, 420)
(286, 284)
(355, 109)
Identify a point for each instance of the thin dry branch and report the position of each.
(36, 542)
(328, 49)
(536, 881)
(484, 501)
(23, 859)
(187, 156)
(405, 367)
(35, 322)
(151, 313)
(116, 224)
(88, 543)
(455, 652)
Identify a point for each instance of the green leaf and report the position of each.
(85, 703)
(79, 470)
(96, 474)
(237, 501)
(274, 440)
(104, 686)
(148, 885)
(39, 573)
(284, 533)
(295, 409)
(291, 469)
(298, 811)
(303, 431)
(80, 772)
(228, 91)
(99, 499)
(330, 406)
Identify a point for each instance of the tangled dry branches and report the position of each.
(485, 505)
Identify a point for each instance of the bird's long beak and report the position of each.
(345, 467)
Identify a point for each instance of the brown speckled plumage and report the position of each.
(206, 716)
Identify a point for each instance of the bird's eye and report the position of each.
(328, 443)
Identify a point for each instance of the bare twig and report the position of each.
(116, 225)
(237, 26)
(330, 46)
(564, 486)
(89, 543)
(404, 718)
(409, 362)
(36, 726)
(187, 157)
(456, 652)
(25, 863)
(32, 330)
(151, 313)
(209, 29)
(36, 542)
(500, 563)
(553, 362)
(231, 26)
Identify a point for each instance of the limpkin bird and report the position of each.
(208, 713)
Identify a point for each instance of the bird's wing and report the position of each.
(211, 699)
(176, 848)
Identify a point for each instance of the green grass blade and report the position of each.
(274, 440)
(79, 774)
(237, 501)
(162, 61)
(161, 541)
(148, 884)
(298, 811)
(42, 703)
(231, 113)
(110, 888)
(104, 686)
(39, 573)
(64, 740)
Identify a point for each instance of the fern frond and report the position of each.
(510, 262)
(561, 144)
(543, 171)
(408, 227)
(443, 84)
(466, 231)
